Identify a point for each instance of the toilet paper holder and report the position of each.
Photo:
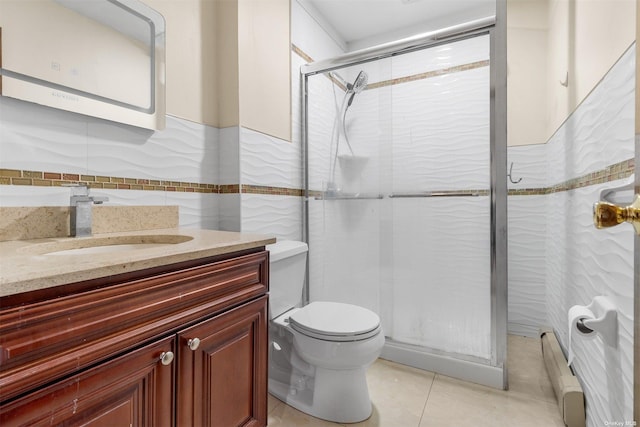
(605, 322)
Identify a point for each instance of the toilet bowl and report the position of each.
(319, 353)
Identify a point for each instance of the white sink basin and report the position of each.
(102, 245)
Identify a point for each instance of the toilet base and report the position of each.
(339, 396)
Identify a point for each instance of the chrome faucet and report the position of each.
(81, 207)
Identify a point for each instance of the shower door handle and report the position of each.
(607, 214)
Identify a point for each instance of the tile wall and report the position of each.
(556, 256)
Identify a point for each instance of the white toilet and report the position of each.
(319, 353)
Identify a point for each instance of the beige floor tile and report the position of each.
(272, 403)
(398, 394)
(284, 415)
(527, 372)
(457, 403)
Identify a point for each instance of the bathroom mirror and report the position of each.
(102, 58)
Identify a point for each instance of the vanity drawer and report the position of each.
(47, 340)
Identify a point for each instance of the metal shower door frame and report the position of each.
(495, 27)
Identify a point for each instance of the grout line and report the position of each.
(424, 408)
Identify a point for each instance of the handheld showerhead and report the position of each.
(359, 83)
(358, 86)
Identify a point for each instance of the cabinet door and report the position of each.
(135, 389)
(222, 382)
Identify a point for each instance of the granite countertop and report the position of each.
(27, 265)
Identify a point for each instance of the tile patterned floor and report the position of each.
(409, 397)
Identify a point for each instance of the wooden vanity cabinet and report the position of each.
(182, 345)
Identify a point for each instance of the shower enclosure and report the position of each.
(404, 210)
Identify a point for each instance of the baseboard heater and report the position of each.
(566, 386)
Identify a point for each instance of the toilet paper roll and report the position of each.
(577, 313)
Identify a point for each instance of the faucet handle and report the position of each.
(99, 199)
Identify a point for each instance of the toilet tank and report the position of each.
(287, 268)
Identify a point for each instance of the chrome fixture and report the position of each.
(81, 206)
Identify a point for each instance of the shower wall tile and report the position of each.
(345, 251)
(323, 97)
(444, 262)
(441, 133)
(442, 57)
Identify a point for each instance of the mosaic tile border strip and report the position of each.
(619, 170)
(58, 179)
(428, 74)
(613, 172)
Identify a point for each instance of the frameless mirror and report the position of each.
(102, 58)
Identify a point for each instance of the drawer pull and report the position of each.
(193, 343)
(166, 358)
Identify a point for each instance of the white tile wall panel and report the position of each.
(527, 238)
(20, 195)
(279, 216)
(229, 214)
(229, 156)
(529, 165)
(183, 151)
(441, 132)
(34, 137)
(269, 161)
(197, 210)
(441, 259)
(349, 263)
(583, 262)
(38, 138)
(597, 133)
(442, 57)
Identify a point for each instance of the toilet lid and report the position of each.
(335, 321)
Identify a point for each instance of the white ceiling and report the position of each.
(356, 21)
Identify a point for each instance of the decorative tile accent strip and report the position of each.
(277, 191)
(428, 74)
(613, 172)
(295, 49)
(341, 84)
(465, 67)
(57, 179)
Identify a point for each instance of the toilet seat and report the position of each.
(332, 321)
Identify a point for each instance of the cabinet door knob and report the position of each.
(193, 343)
(166, 358)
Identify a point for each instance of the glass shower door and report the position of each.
(399, 207)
